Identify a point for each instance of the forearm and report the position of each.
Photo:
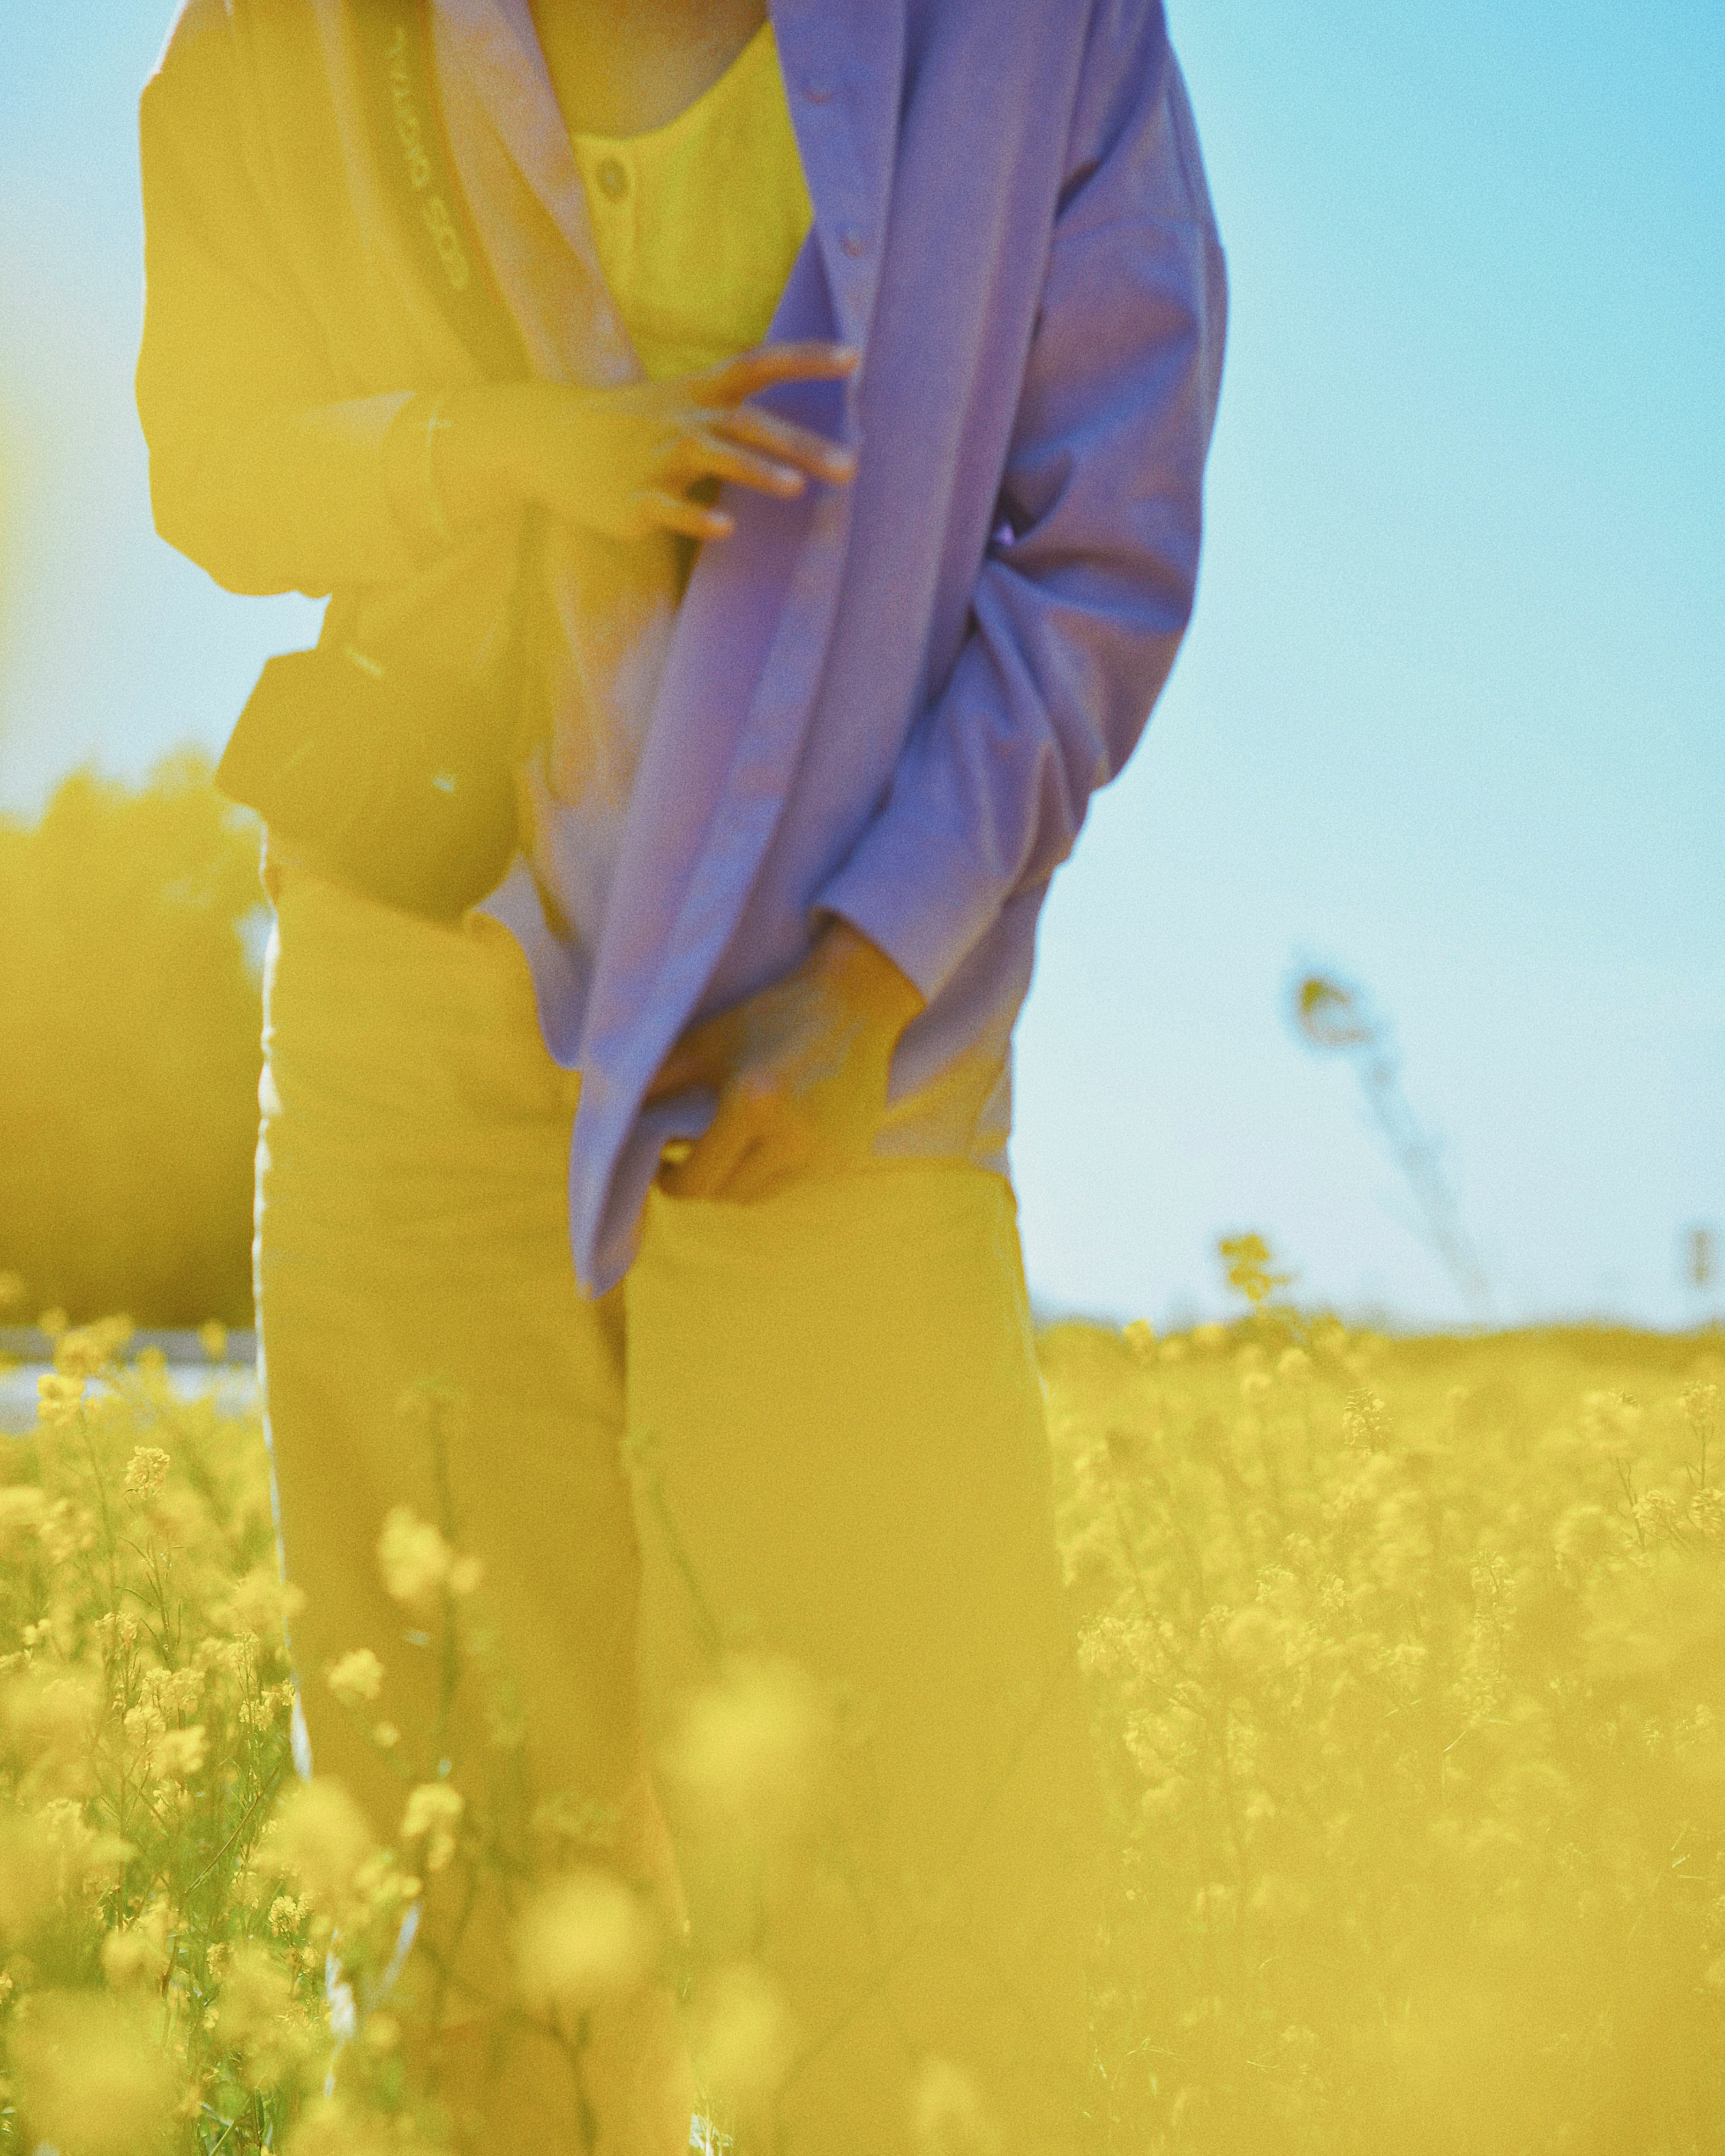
(457, 460)
(867, 979)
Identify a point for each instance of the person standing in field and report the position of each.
(872, 359)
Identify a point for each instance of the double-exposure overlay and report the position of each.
(580, 1614)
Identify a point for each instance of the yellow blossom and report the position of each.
(434, 1812)
(356, 1677)
(412, 1557)
(383, 1886)
(744, 2037)
(138, 1953)
(180, 1753)
(57, 1399)
(94, 2078)
(321, 1839)
(285, 1913)
(83, 1352)
(754, 1749)
(259, 1602)
(583, 1939)
(146, 1472)
(947, 2114)
(257, 2017)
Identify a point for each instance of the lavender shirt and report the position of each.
(889, 702)
(892, 703)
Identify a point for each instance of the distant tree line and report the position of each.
(130, 922)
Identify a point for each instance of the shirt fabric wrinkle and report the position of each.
(866, 706)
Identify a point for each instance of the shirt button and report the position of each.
(818, 89)
(852, 241)
(612, 179)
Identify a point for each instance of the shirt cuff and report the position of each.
(916, 892)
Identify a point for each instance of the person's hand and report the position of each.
(800, 1069)
(629, 460)
(624, 460)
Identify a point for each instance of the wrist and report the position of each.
(867, 977)
(486, 451)
(415, 499)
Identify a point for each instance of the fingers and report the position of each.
(703, 1057)
(717, 1152)
(762, 1172)
(798, 448)
(752, 1146)
(675, 512)
(769, 364)
(706, 454)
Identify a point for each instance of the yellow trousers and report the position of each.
(767, 1546)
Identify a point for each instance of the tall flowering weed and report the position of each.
(1407, 1665)
(158, 1990)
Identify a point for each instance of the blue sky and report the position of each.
(1448, 721)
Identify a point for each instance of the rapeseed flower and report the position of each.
(412, 1557)
(582, 1939)
(418, 1564)
(321, 1839)
(755, 1748)
(433, 1815)
(58, 1398)
(94, 2077)
(356, 1678)
(146, 1472)
(744, 2040)
(140, 1953)
(1404, 1662)
(947, 2114)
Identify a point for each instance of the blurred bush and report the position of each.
(129, 1050)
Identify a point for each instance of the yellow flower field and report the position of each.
(1407, 1666)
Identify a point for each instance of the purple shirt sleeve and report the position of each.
(1085, 593)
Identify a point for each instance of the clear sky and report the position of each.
(1448, 721)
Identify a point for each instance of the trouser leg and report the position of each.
(412, 1224)
(842, 1466)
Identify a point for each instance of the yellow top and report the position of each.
(697, 223)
